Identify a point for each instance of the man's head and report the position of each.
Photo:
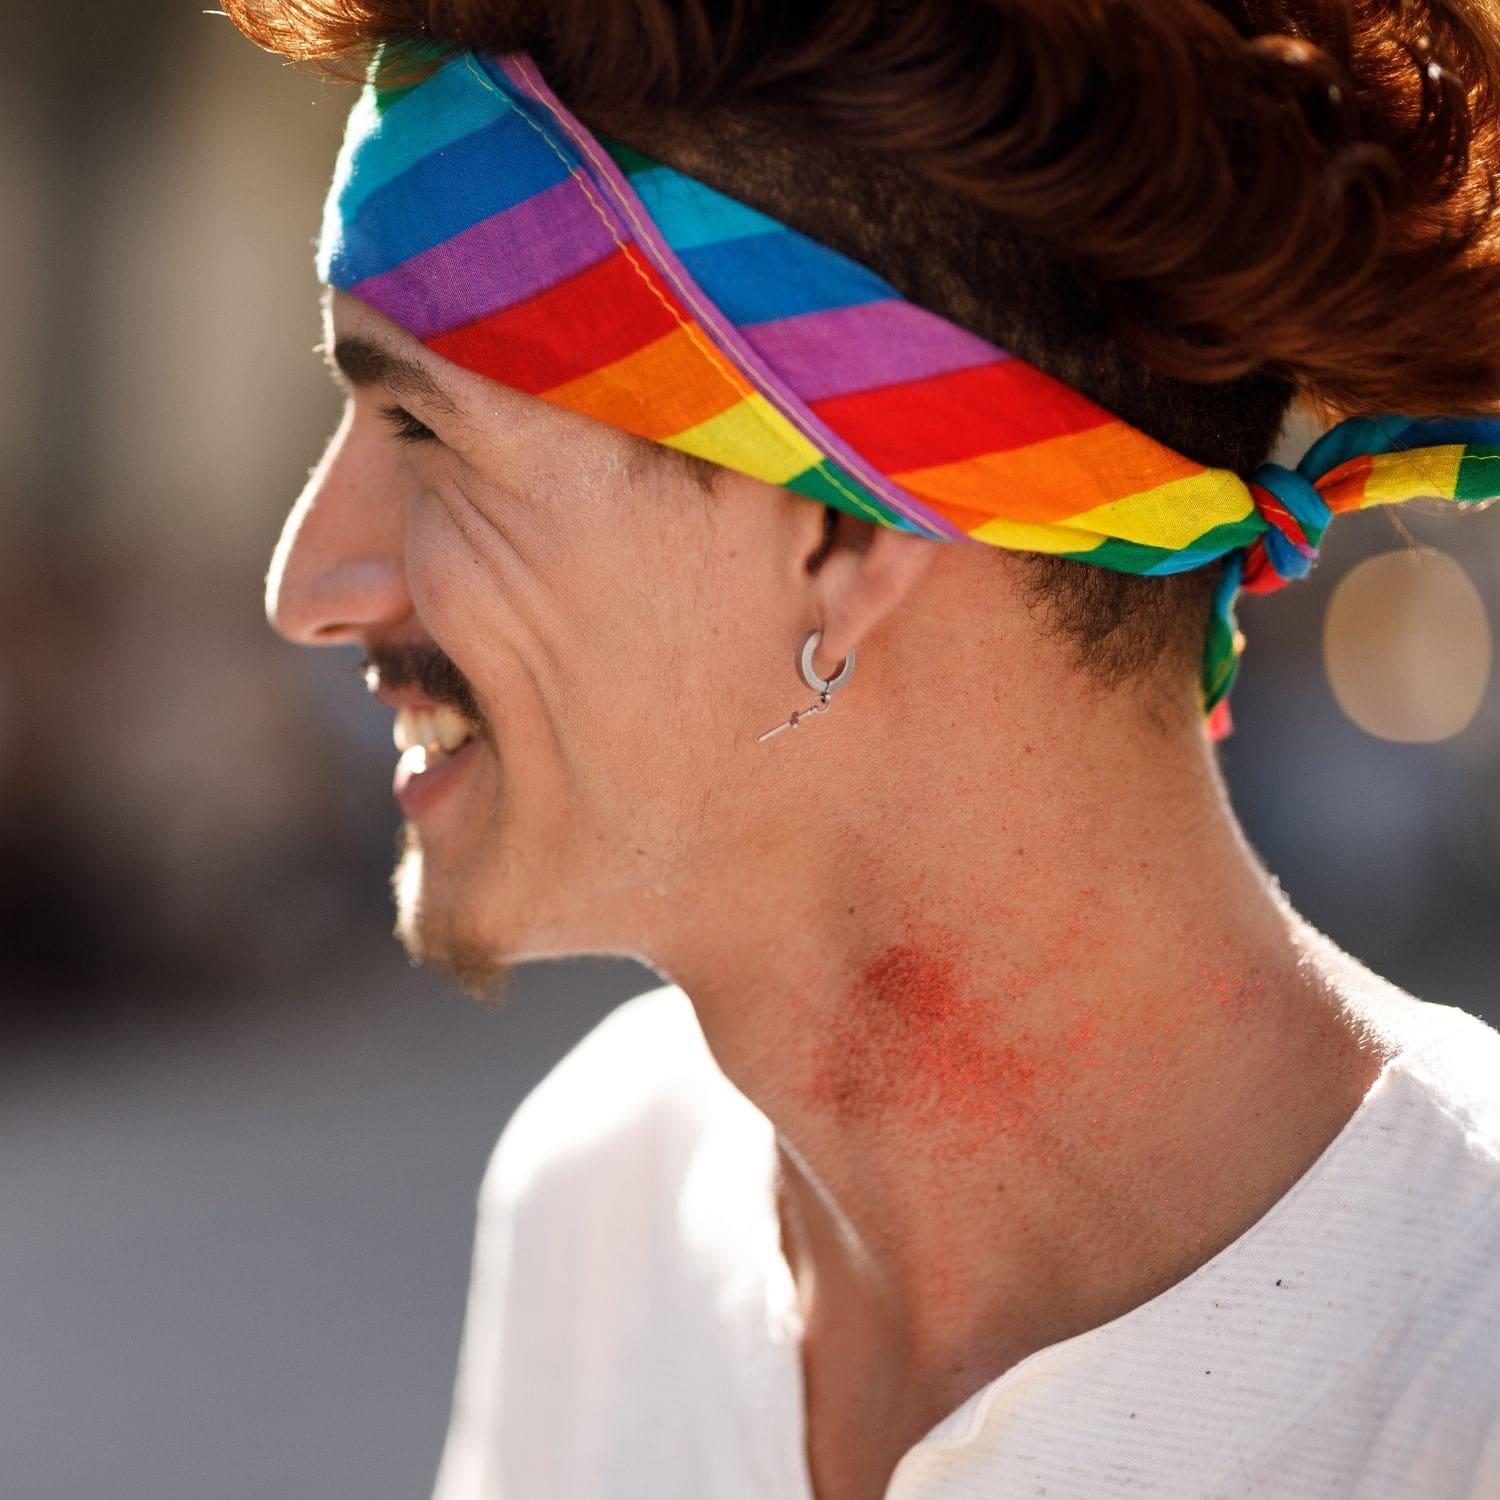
(618, 623)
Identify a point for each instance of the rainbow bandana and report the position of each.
(474, 211)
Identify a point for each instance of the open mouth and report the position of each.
(438, 731)
(434, 743)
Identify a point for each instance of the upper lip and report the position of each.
(399, 698)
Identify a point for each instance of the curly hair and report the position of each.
(1193, 211)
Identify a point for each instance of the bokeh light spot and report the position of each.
(1406, 644)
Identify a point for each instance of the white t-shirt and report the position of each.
(632, 1330)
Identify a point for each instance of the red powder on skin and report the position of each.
(910, 1041)
(1081, 1039)
(1236, 995)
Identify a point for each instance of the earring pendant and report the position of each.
(823, 687)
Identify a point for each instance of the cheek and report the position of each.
(450, 585)
(559, 623)
(646, 638)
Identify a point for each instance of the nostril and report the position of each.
(318, 596)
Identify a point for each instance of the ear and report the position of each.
(867, 571)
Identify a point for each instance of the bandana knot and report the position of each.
(1296, 515)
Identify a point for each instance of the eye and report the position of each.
(406, 427)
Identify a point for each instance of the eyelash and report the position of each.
(406, 427)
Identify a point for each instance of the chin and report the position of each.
(429, 925)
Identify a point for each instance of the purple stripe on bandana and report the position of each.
(493, 264)
(521, 73)
(844, 349)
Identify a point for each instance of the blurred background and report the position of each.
(241, 1136)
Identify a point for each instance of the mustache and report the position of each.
(431, 671)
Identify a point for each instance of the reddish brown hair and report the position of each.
(1191, 210)
(1301, 183)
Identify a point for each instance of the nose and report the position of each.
(338, 572)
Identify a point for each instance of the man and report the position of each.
(1002, 1129)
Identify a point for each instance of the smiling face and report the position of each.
(583, 642)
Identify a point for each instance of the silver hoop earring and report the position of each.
(818, 684)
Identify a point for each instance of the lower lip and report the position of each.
(418, 792)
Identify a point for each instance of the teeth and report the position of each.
(450, 728)
(442, 728)
(415, 760)
(413, 727)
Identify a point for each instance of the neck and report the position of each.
(1027, 1068)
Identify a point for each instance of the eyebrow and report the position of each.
(366, 362)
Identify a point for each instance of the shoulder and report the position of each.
(1461, 1061)
(1428, 1163)
(1440, 1156)
(1439, 1395)
(625, 1104)
(1452, 1105)
(577, 1251)
(1437, 1124)
(1452, 1059)
(1446, 1059)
